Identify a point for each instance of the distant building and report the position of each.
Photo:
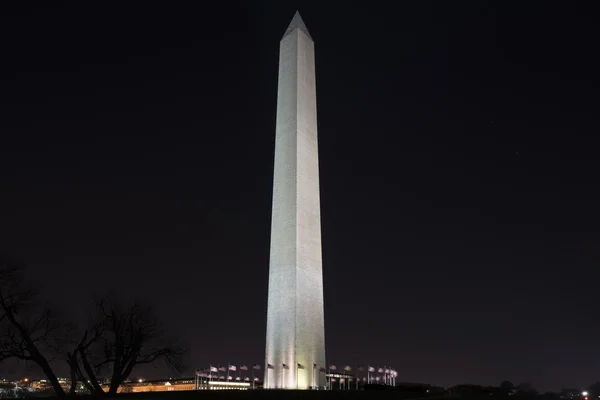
(43, 385)
(178, 384)
(6, 386)
(340, 381)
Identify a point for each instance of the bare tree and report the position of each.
(78, 360)
(28, 332)
(120, 339)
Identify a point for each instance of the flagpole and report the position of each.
(253, 377)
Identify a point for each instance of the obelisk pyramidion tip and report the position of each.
(297, 23)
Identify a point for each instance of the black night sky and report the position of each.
(459, 176)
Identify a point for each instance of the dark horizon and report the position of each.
(457, 161)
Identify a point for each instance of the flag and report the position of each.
(377, 379)
(199, 373)
(214, 369)
(244, 367)
(347, 368)
(256, 379)
(371, 369)
(256, 366)
(332, 379)
(230, 377)
(221, 377)
(380, 370)
(332, 367)
(237, 379)
(246, 379)
(342, 380)
(269, 366)
(364, 379)
(387, 371)
(300, 366)
(232, 367)
(285, 366)
(222, 369)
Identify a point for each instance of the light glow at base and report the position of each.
(228, 384)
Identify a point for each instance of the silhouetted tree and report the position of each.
(120, 339)
(526, 388)
(594, 390)
(27, 331)
(117, 340)
(507, 386)
(549, 396)
(81, 368)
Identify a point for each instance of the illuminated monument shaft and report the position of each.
(295, 321)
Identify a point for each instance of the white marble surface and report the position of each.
(295, 320)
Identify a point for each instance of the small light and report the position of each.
(584, 393)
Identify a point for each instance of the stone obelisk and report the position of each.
(295, 350)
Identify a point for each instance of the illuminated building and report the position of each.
(295, 342)
(43, 385)
(176, 385)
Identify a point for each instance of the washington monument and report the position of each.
(295, 350)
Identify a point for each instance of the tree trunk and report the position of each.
(36, 356)
(76, 371)
(73, 373)
(60, 392)
(92, 376)
(116, 378)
